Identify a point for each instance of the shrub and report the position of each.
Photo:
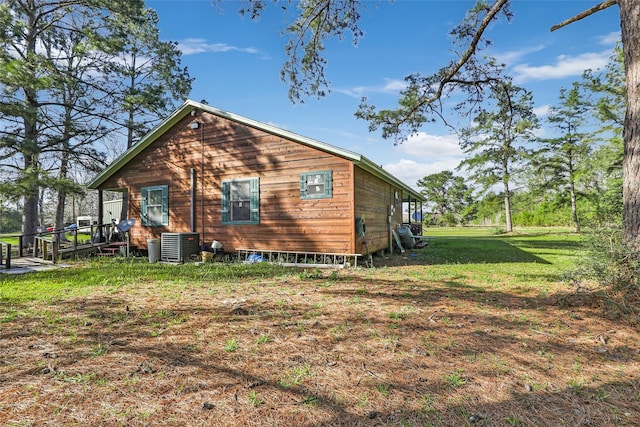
(613, 266)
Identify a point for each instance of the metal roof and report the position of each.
(191, 105)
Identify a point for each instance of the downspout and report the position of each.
(195, 124)
(202, 178)
(193, 199)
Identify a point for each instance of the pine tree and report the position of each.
(564, 159)
(494, 141)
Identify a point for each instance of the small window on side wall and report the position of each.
(316, 185)
(241, 201)
(155, 205)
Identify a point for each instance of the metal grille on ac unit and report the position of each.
(178, 247)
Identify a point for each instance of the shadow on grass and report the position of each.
(478, 251)
(491, 250)
(122, 329)
(470, 252)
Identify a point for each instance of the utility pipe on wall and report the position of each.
(195, 124)
(202, 178)
(193, 199)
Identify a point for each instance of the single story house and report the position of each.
(251, 185)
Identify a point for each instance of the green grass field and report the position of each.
(476, 329)
(9, 238)
(529, 257)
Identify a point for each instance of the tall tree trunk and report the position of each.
(63, 172)
(60, 202)
(507, 207)
(41, 194)
(124, 211)
(507, 193)
(62, 193)
(31, 173)
(31, 197)
(30, 218)
(31, 150)
(574, 207)
(630, 25)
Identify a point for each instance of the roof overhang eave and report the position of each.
(378, 171)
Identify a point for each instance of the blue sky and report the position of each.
(236, 64)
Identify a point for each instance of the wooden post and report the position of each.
(54, 251)
(100, 217)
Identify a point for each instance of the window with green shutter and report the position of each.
(155, 205)
(316, 185)
(241, 201)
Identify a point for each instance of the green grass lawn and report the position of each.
(11, 239)
(476, 329)
(532, 257)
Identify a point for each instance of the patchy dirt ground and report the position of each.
(364, 347)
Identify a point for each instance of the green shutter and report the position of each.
(165, 205)
(143, 206)
(255, 200)
(328, 184)
(226, 189)
(303, 185)
(144, 202)
(254, 186)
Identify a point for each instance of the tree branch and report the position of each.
(431, 90)
(597, 8)
(450, 75)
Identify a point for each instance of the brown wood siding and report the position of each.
(373, 198)
(236, 151)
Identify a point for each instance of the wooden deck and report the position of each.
(49, 250)
(51, 247)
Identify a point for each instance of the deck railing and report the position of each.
(51, 245)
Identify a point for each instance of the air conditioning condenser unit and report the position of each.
(178, 247)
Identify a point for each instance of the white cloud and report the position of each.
(389, 86)
(194, 46)
(428, 154)
(410, 171)
(564, 66)
(432, 147)
(609, 39)
(542, 110)
(393, 85)
(512, 56)
(541, 132)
